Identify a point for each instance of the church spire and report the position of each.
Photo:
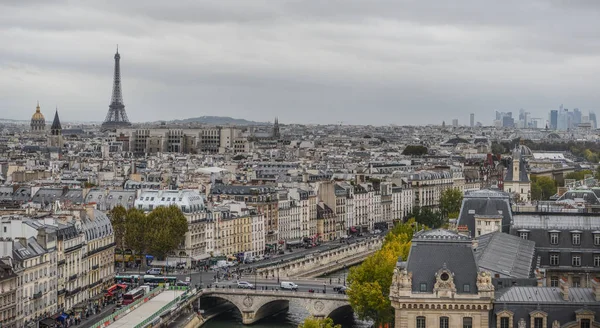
(56, 128)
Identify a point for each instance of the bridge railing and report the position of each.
(274, 292)
(164, 308)
(109, 319)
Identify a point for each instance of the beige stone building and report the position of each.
(440, 285)
(8, 294)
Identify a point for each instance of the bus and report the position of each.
(130, 279)
(133, 295)
(149, 279)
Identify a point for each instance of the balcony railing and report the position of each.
(37, 295)
(73, 277)
(94, 267)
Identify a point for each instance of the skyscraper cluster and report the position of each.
(564, 119)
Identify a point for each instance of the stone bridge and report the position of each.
(319, 263)
(257, 304)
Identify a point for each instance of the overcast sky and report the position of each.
(306, 61)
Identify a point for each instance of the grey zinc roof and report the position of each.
(555, 221)
(432, 249)
(490, 203)
(505, 254)
(528, 294)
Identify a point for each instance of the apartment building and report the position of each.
(8, 293)
(32, 248)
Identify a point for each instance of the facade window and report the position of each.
(523, 235)
(466, 288)
(554, 238)
(576, 260)
(504, 322)
(538, 323)
(467, 322)
(596, 260)
(423, 287)
(597, 239)
(444, 322)
(421, 322)
(554, 259)
(576, 282)
(585, 323)
(576, 239)
(554, 281)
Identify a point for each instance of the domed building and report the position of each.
(38, 122)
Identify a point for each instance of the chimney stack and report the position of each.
(596, 289)
(564, 288)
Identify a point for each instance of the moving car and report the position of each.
(245, 285)
(154, 271)
(288, 285)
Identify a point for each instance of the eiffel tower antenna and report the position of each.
(116, 117)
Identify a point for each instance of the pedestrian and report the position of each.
(330, 281)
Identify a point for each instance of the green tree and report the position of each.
(137, 231)
(450, 201)
(417, 150)
(312, 322)
(169, 226)
(427, 216)
(597, 175)
(579, 175)
(542, 188)
(370, 282)
(117, 218)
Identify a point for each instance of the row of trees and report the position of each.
(158, 232)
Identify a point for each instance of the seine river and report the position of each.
(290, 319)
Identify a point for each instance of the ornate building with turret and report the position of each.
(38, 122)
(453, 281)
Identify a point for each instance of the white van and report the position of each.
(154, 271)
(288, 285)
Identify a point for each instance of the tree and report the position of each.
(579, 175)
(168, 228)
(542, 188)
(428, 217)
(117, 218)
(417, 150)
(370, 282)
(312, 322)
(137, 232)
(450, 201)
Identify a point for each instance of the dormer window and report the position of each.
(423, 287)
(597, 239)
(524, 235)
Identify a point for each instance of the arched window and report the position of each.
(444, 322)
(421, 322)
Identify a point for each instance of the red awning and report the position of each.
(112, 288)
(122, 286)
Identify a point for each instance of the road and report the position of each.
(205, 278)
(303, 286)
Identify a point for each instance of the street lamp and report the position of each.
(278, 275)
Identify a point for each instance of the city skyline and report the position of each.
(381, 63)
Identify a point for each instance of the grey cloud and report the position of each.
(378, 62)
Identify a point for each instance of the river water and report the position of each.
(290, 319)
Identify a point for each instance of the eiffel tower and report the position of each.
(116, 117)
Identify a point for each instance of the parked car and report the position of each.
(343, 290)
(288, 285)
(281, 252)
(245, 285)
(182, 283)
